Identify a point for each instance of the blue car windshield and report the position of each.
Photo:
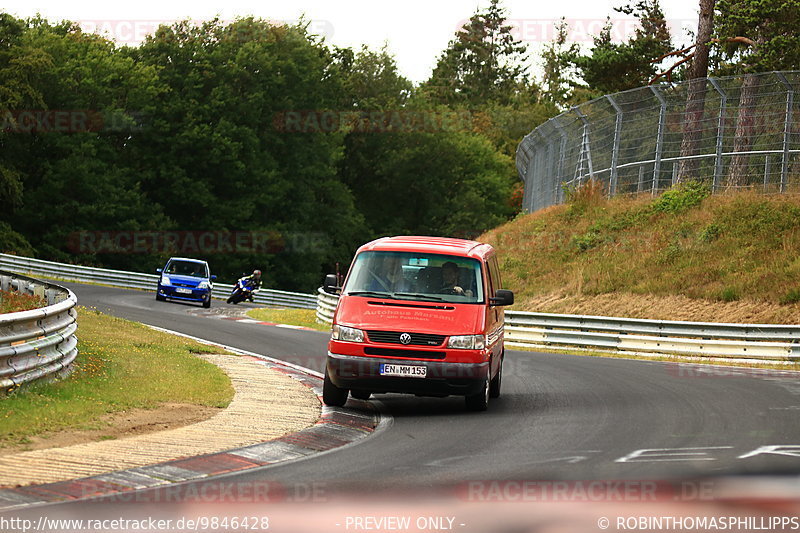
(187, 268)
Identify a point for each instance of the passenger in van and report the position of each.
(450, 281)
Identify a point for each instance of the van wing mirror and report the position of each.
(331, 284)
(502, 297)
(159, 270)
(213, 277)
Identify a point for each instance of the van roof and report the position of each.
(442, 245)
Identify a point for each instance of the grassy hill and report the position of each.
(685, 255)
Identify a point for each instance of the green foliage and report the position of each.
(770, 24)
(558, 65)
(12, 242)
(710, 233)
(612, 67)
(191, 135)
(483, 64)
(729, 294)
(792, 296)
(588, 240)
(683, 196)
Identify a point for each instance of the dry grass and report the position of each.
(11, 302)
(681, 256)
(121, 365)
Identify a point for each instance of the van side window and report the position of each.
(494, 275)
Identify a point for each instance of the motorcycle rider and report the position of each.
(254, 281)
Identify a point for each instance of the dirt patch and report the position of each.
(118, 426)
(664, 308)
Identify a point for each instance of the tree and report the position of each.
(755, 36)
(484, 63)
(238, 143)
(558, 60)
(612, 67)
(696, 96)
(75, 172)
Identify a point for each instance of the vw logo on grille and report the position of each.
(405, 338)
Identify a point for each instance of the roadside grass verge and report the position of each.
(11, 302)
(121, 365)
(726, 250)
(295, 317)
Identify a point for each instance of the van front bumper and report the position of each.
(442, 378)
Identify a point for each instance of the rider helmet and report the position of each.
(257, 273)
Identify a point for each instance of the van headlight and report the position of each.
(343, 333)
(165, 280)
(202, 285)
(467, 342)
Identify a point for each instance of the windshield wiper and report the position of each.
(371, 293)
(419, 296)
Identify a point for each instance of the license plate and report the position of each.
(404, 371)
(183, 291)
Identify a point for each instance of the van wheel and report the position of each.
(160, 298)
(480, 401)
(360, 394)
(207, 303)
(331, 394)
(494, 385)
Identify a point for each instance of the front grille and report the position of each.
(397, 352)
(417, 339)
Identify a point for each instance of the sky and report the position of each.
(416, 31)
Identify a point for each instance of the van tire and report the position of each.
(360, 394)
(207, 303)
(480, 401)
(497, 381)
(331, 394)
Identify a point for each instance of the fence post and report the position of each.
(766, 172)
(723, 102)
(662, 116)
(612, 188)
(586, 148)
(787, 128)
(562, 155)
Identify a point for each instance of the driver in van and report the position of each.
(389, 277)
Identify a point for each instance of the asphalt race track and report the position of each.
(560, 417)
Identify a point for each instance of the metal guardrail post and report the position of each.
(720, 132)
(612, 188)
(787, 128)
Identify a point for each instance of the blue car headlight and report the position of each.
(204, 285)
(165, 280)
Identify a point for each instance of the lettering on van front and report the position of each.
(416, 315)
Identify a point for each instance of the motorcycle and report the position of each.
(243, 290)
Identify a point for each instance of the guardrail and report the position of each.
(138, 280)
(703, 339)
(39, 343)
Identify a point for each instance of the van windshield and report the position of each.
(416, 276)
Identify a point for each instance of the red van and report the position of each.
(418, 315)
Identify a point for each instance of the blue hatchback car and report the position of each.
(185, 279)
